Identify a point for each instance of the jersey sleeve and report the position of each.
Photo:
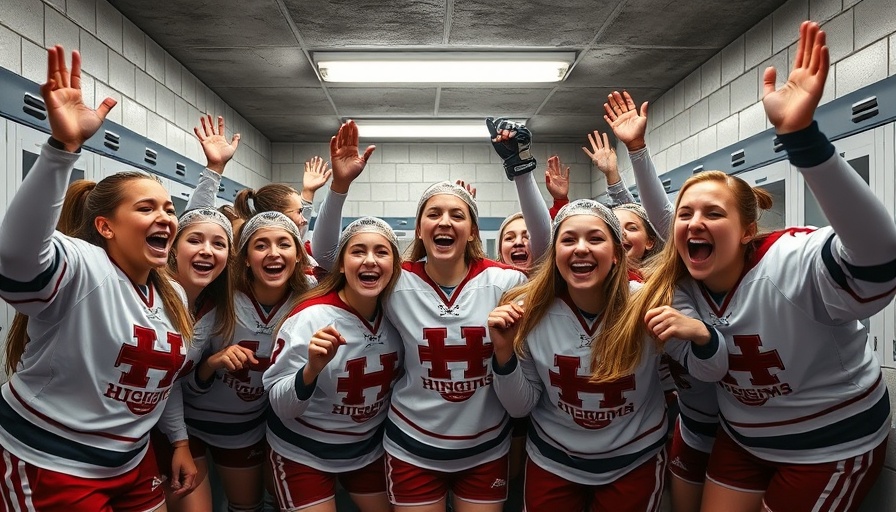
(535, 213)
(206, 190)
(172, 422)
(517, 385)
(288, 395)
(619, 193)
(653, 195)
(327, 228)
(709, 362)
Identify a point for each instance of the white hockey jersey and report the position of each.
(336, 425)
(445, 415)
(98, 370)
(583, 431)
(803, 384)
(230, 413)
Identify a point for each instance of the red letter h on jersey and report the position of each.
(144, 356)
(474, 352)
(358, 379)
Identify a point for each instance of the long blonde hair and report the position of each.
(546, 284)
(85, 201)
(665, 271)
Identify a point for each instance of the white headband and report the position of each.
(367, 225)
(639, 210)
(587, 207)
(268, 220)
(198, 215)
(446, 187)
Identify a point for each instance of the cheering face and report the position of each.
(272, 258)
(515, 245)
(709, 235)
(141, 230)
(584, 252)
(367, 264)
(636, 242)
(445, 227)
(201, 251)
(294, 212)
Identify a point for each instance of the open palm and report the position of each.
(218, 151)
(628, 124)
(347, 162)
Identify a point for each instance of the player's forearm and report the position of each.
(25, 234)
(653, 195)
(206, 190)
(535, 213)
(327, 227)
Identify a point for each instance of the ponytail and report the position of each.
(241, 203)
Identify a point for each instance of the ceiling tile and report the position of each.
(258, 66)
(484, 102)
(291, 128)
(383, 101)
(620, 67)
(590, 101)
(276, 100)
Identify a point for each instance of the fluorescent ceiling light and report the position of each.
(444, 67)
(424, 128)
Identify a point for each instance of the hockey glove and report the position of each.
(514, 151)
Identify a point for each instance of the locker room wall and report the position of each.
(718, 105)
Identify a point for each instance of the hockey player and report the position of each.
(329, 387)
(805, 411)
(590, 444)
(226, 403)
(107, 332)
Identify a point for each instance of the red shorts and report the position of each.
(639, 490)
(685, 462)
(240, 458)
(410, 485)
(831, 486)
(299, 486)
(27, 487)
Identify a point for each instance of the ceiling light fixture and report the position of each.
(443, 67)
(440, 129)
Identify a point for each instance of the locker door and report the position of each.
(28, 143)
(889, 196)
(8, 181)
(865, 153)
(773, 178)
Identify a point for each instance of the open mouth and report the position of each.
(582, 268)
(519, 257)
(443, 240)
(627, 246)
(699, 249)
(158, 242)
(369, 278)
(203, 267)
(274, 269)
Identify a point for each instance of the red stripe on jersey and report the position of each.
(864, 300)
(333, 299)
(53, 294)
(55, 423)
(443, 436)
(829, 410)
(663, 423)
(578, 314)
(266, 318)
(339, 432)
(477, 267)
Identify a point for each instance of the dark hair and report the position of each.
(269, 198)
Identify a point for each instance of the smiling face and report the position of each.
(515, 245)
(584, 252)
(271, 257)
(637, 241)
(368, 265)
(140, 231)
(201, 251)
(445, 227)
(710, 237)
(295, 211)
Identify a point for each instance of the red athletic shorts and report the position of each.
(411, 485)
(686, 462)
(298, 486)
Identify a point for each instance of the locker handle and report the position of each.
(180, 169)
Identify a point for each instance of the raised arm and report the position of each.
(866, 231)
(26, 249)
(629, 124)
(347, 166)
(603, 156)
(217, 153)
(556, 180)
(512, 142)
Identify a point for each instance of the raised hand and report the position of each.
(503, 324)
(666, 322)
(315, 176)
(628, 124)
(556, 179)
(512, 142)
(71, 121)
(792, 107)
(321, 350)
(347, 162)
(216, 148)
(603, 156)
(469, 186)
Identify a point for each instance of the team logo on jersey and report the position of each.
(584, 341)
(449, 311)
(475, 352)
(372, 339)
(613, 404)
(264, 329)
(156, 482)
(153, 313)
(764, 385)
(241, 380)
(716, 321)
(139, 360)
(358, 380)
